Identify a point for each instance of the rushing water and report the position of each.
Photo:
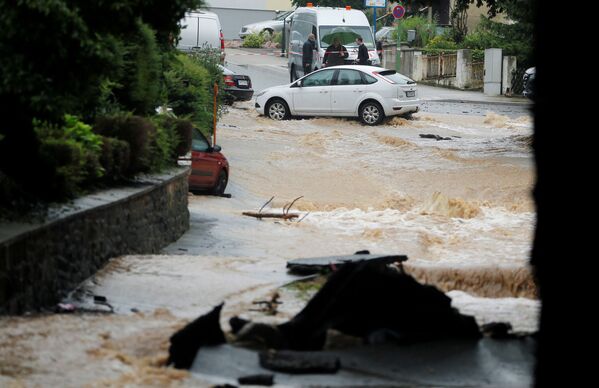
(460, 209)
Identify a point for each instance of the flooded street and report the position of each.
(460, 209)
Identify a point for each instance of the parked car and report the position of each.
(368, 92)
(272, 26)
(237, 87)
(202, 29)
(209, 167)
(529, 82)
(383, 34)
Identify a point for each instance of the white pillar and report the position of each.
(464, 69)
(492, 77)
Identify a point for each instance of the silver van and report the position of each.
(327, 23)
(202, 29)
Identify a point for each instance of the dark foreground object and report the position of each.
(204, 331)
(261, 379)
(315, 265)
(366, 298)
(289, 361)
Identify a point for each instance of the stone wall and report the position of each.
(38, 266)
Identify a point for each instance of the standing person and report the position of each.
(308, 53)
(335, 54)
(362, 52)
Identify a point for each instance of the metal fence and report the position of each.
(442, 65)
(518, 81)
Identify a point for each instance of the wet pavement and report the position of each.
(461, 210)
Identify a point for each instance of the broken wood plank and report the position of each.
(271, 215)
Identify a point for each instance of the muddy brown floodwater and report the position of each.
(461, 209)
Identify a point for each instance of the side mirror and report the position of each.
(216, 148)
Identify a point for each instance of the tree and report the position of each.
(55, 55)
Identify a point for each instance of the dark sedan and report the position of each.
(237, 87)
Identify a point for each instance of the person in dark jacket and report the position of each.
(308, 53)
(362, 52)
(335, 54)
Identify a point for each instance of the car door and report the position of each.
(204, 162)
(314, 95)
(346, 91)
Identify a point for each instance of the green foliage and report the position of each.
(253, 41)
(138, 90)
(190, 85)
(114, 158)
(425, 31)
(277, 37)
(441, 42)
(137, 131)
(73, 152)
(180, 132)
(514, 39)
(78, 57)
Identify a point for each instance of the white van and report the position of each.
(327, 23)
(200, 29)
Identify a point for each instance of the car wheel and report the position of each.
(371, 113)
(277, 109)
(221, 183)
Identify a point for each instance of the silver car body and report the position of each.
(274, 25)
(397, 94)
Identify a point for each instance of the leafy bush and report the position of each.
(137, 131)
(138, 90)
(277, 38)
(115, 158)
(188, 91)
(72, 151)
(253, 41)
(180, 132)
(513, 39)
(424, 30)
(441, 42)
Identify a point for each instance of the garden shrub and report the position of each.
(188, 91)
(114, 158)
(72, 152)
(135, 130)
(253, 41)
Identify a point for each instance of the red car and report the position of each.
(209, 168)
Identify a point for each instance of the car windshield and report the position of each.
(396, 78)
(347, 35)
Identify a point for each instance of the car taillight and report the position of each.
(229, 80)
(222, 41)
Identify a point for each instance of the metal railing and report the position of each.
(442, 65)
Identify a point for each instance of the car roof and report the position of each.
(364, 68)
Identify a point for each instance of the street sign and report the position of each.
(375, 3)
(398, 11)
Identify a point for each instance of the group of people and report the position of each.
(334, 55)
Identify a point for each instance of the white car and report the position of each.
(368, 92)
(272, 26)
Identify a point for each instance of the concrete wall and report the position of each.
(40, 263)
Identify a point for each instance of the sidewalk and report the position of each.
(441, 94)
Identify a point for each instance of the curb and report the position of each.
(460, 101)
